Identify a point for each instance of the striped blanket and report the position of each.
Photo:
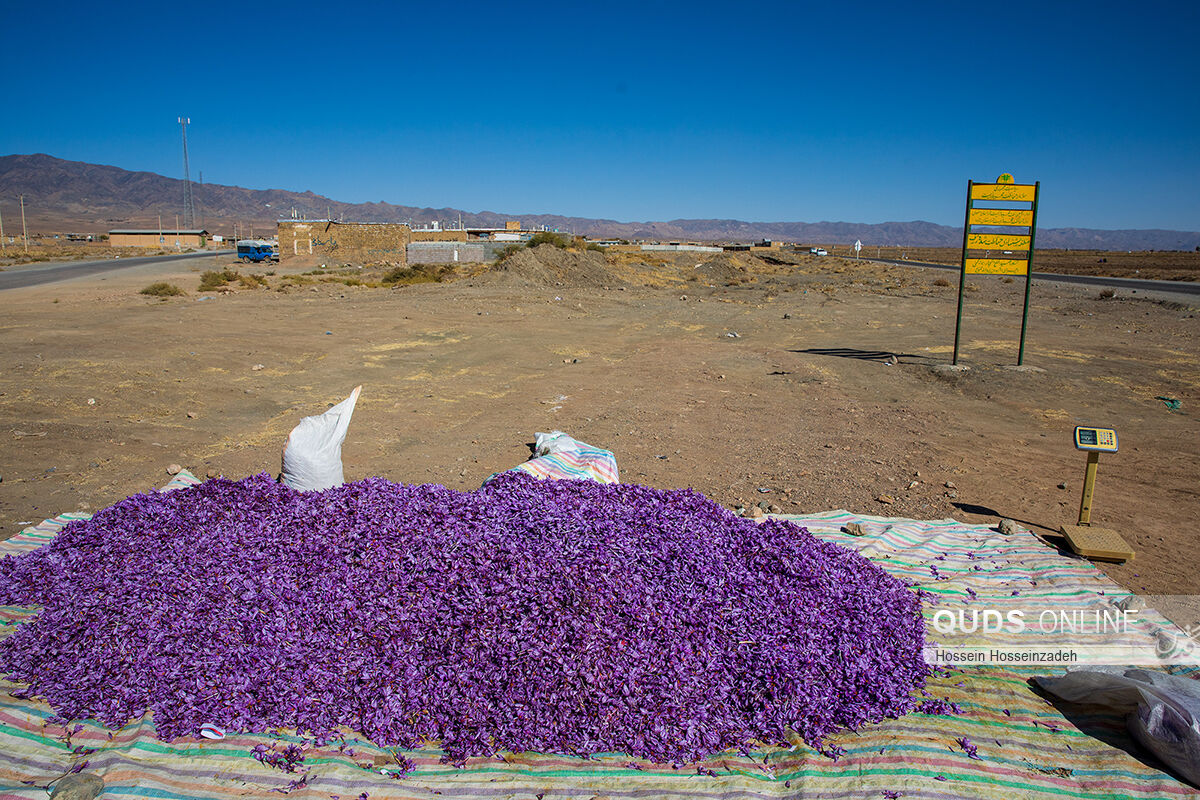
(1026, 746)
(583, 463)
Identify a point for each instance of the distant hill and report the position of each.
(74, 196)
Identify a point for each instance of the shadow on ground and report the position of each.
(1106, 725)
(862, 355)
(1051, 536)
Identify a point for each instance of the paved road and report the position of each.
(35, 275)
(1178, 287)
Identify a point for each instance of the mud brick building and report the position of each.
(343, 241)
(395, 243)
(155, 238)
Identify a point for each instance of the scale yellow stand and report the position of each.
(1099, 544)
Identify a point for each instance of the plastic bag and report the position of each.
(312, 457)
(1163, 710)
(553, 442)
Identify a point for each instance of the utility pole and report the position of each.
(189, 209)
(160, 236)
(3, 244)
(177, 247)
(24, 230)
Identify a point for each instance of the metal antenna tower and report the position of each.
(189, 208)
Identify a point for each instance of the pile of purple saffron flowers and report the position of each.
(552, 616)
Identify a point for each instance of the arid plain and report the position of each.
(752, 380)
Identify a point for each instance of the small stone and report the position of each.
(212, 473)
(764, 505)
(1063, 485)
(1008, 527)
(756, 513)
(886, 499)
(191, 415)
(91, 401)
(174, 469)
(257, 367)
(78, 786)
(913, 484)
(787, 316)
(855, 529)
(892, 360)
(949, 485)
(776, 509)
(953, 495)
(950, 369)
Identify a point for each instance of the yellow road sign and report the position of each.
(1012, 249)
(997, 241)
(1021, 192)
(997, 266)
(1000, 216)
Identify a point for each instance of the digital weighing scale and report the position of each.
(1100, 544)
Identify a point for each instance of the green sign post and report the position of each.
(998, 239)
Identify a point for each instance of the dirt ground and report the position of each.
(748, 380)
(1162, 265)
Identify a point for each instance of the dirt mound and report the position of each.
(547, 265)
(724, 267)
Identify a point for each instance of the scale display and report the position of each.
(1100, 440)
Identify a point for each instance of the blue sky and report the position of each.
(864, 112)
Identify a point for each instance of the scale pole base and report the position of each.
(1097, 544)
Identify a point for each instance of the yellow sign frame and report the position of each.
(997, 241)
(1009, 192)
(1007, 217)
(1007, 253)
(997, 266)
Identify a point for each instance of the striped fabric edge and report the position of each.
(37, 535)
(585, 463)
(1003, 572)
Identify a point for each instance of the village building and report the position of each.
(157, 238)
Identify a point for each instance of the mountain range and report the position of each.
(73, 196)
